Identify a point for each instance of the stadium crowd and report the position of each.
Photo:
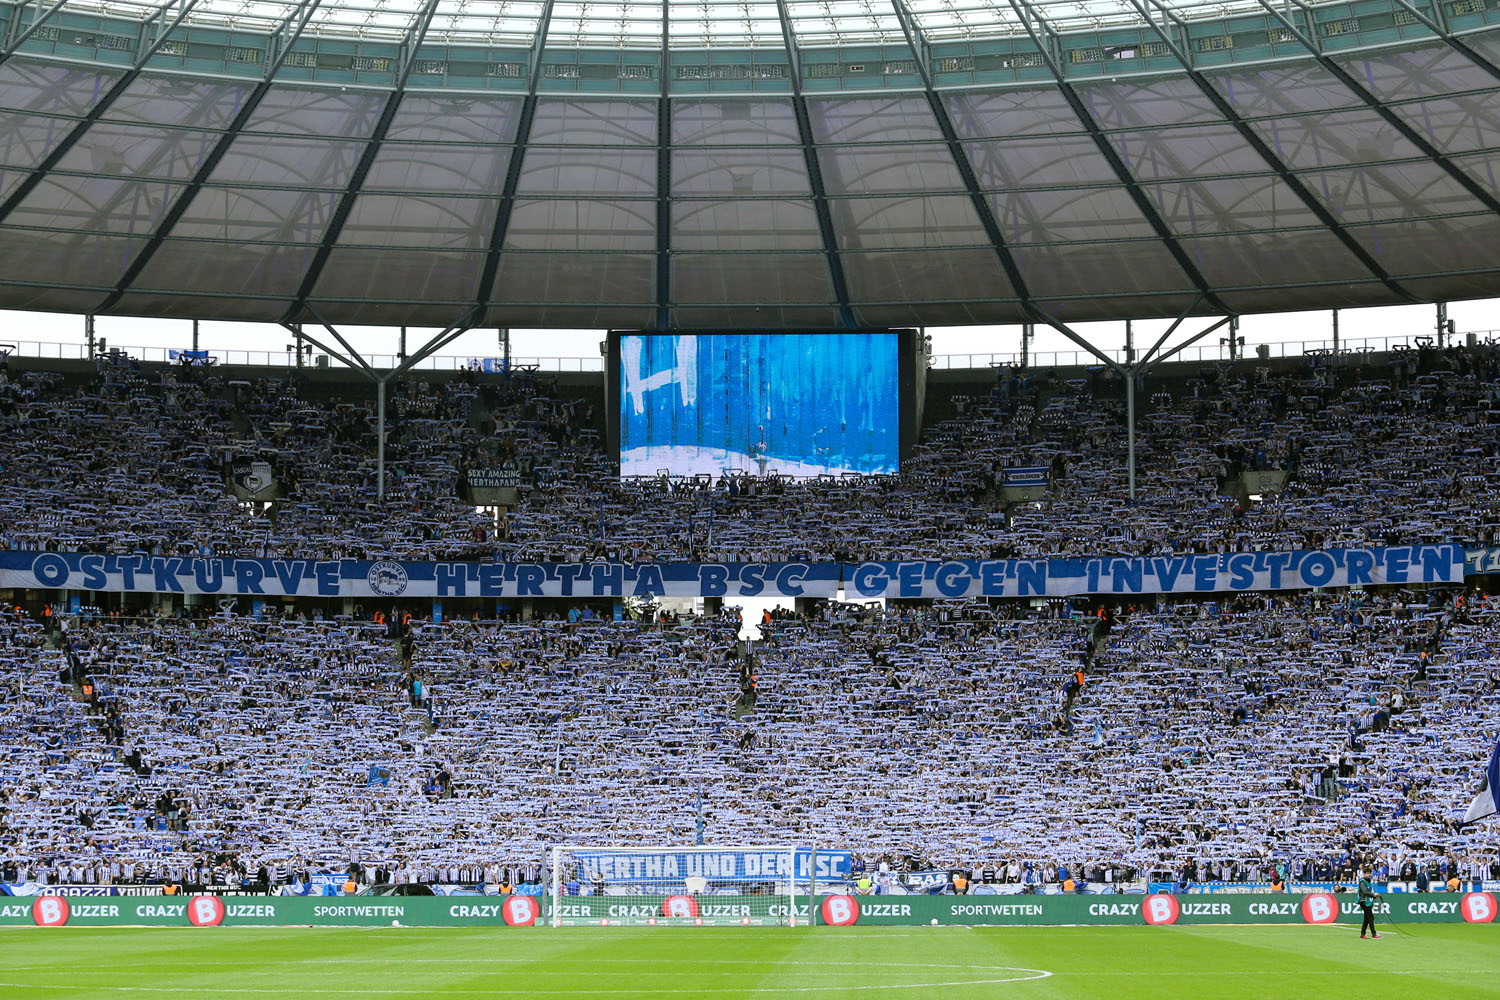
(1300, 734)
(129, 462)
(1295, 736)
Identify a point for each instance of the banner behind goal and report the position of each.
(681, 886)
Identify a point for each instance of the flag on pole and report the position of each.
(1487, 802)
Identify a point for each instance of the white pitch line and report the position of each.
(300, 990)
(316, 962)
(1261, 972)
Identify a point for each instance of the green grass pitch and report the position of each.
(1441, 961)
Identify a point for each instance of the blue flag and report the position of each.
(1487, 802)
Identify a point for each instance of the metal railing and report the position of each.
(1205, 352)
(286, 359)
(1210, 352)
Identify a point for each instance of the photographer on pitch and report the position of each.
(1367, 897)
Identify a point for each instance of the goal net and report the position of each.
(680, 886)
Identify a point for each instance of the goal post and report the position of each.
(703, 886)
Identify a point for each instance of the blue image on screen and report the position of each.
(790, 404)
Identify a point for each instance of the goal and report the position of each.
(681, 886)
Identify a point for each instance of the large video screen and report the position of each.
(794, 404)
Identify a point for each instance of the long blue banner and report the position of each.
(1231, 572)
(1175, 574)
(386, 578)
(738, 863)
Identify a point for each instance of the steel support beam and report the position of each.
(664, 180)
(38, 20)
(291, 28)
(1192, 340)
(1396, 122)
(380, 440)
(355, 362)
(1146, 358)
(1440, 28)
(354, 354)
(352, 358)
(815, 172)
(920, 53)
(1080, 340)
(436, 343)
(1129, 372)
(1264, 151)
(335, 228)
(104, 210)
(295, 24)
(1130, 377)
(164, 29)
(1122, 172)
(67, 142)
(513, 171)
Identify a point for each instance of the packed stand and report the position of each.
(1398, 451)
(134, 464)
(1311, 732)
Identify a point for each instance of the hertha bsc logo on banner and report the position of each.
(252, 479)
(387, 579)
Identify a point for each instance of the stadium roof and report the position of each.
(683, 23)
(763, 164)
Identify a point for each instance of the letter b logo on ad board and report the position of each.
(1320, 908)
(840, 911)
(50, 911)
(1160, 908)
(520, 911)
(685, 907)
(1478, 908)
(205, 911)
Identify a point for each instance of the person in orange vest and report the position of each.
(1072, 690)
(959, 883)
